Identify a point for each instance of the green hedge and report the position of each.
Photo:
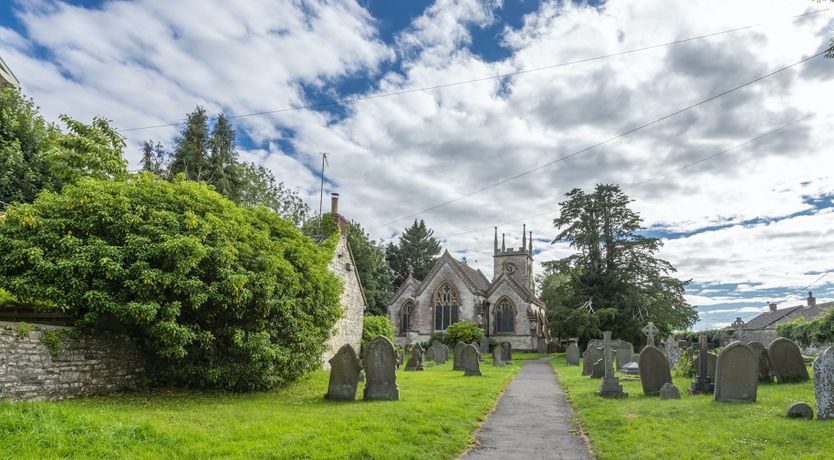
(219, 295)
(815, 332)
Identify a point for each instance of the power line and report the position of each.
(492, 77)
(606, 141)
(658, 176)
(806, 287)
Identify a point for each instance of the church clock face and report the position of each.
(509, 268)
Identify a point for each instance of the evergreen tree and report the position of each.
(223, 168)
(615, 267)
(154, 159)
(191, 147)
(414, 253)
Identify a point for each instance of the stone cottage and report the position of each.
(348, 328)
(7, 78)
(763, 327)
(506, 307)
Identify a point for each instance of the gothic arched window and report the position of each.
(445, 307)
(504, 316)
(405, 316)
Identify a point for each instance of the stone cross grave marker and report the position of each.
(344, 374)
(381, 370)
(610, 386)
(498, 356)
(736, 374)
(650, 330)
(702, 383)
(471, 361)
(824, 384)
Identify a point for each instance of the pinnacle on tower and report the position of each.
(503, 246)
(495, 246)
(531, 242)
(524, 237)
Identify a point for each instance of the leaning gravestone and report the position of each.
(381, 370)
(654, 370)
(439, 352)
(344, 374)
(673, 353)
(786, 361)
(471, 361)
(498, 356)
(736, 374)
(824, 384)
(415, 362)
(593, 353)
(508, 352)
(572, 355)
(764, 361)
(457, 359)
(669, 391)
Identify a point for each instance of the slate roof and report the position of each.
(475, 276)
(770, 319)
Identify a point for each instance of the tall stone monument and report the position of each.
(610, 386)
(702, 383)
(381, 370)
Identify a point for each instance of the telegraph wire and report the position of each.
(606, 141)
(805, 288)
(499, 76)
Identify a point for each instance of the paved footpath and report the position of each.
(533, 420)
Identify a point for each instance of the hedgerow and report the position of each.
(818, 331)
(219, 295)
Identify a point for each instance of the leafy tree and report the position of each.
(223, 167)
(95, 150)
(463, 331)
(154, 159)
(191, 147)
(24, 137)
(616, 268)
(258, 187)
(374, 326)
(414, 254)
(219, 295)
(372, 268)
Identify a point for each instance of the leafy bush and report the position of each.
(374, 326)
(219, 295)
(464, 331)
(685, 366)
(818, 331)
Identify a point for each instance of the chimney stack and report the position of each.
(772, 306)
(334, 203)
(812, 301)
(334, 211)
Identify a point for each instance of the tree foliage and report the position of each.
(220, 295)
(374, 326)
(372, 268)
(414, 254)
(615, 267)
(95, 150)
(818, 331)
(464, 331)
(258, 187)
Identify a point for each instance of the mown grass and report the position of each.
(695, 427)
(436, 417)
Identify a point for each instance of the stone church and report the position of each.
(506, 307)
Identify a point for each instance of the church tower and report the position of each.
(516, 262)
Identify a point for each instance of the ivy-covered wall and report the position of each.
(49, 363)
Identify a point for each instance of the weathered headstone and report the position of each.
(498, 356)
(553, 347)
(471, 361)
(786, 361)
(508, 352)
(610, 386)
(673, 353)
(654, 370)
(764, 361)
(457, 358)
(712, 359)
(400, 357)
(429, 354)
(650, 330)
(592, 354)
(824, 384)
(483, 347)
(380, 370)
(439, 352)
(415, 361)
(800, 410)
(669, 391)
(572, 355)
(702, 383)
(623, 352)
(736, 374)
(598, 369)
(541, 346)
(344, 374)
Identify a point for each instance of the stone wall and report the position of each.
(73, 366)
(348, 328)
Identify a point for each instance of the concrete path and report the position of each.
(532, 421)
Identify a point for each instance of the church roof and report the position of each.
(475, 276)
(770, 319)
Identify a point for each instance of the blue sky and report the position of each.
(747, 227)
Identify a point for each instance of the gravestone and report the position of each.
(498, 356)
(623, 352)
(702, 383)
(439, 352)
(344, 374)
(572, 355)
(764, 361)
(650, 330)
(380, 371)
(630, 369)
(824, 384)
(541, 346)
(673, 353)
(471, 361)
(610, 386)
(592, 354)
(736, 374)
(508, 352)
(786, 361)
(483, 349)
(553, 347)
(457, 358)
(429, 354)
(712, 359)
(598, 369)
(800, 410)
(654, 370)
(400, 357)
(415, 361)
(669, 391)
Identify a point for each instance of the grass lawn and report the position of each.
(695, 427)
(438, 412)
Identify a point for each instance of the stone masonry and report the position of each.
(81, 365)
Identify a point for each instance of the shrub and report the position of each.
(219, 295)
(374, 326)
(685, 366)
(464, 331)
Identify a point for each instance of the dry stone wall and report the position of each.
(70, 366)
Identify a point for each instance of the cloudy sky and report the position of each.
(750, 225)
